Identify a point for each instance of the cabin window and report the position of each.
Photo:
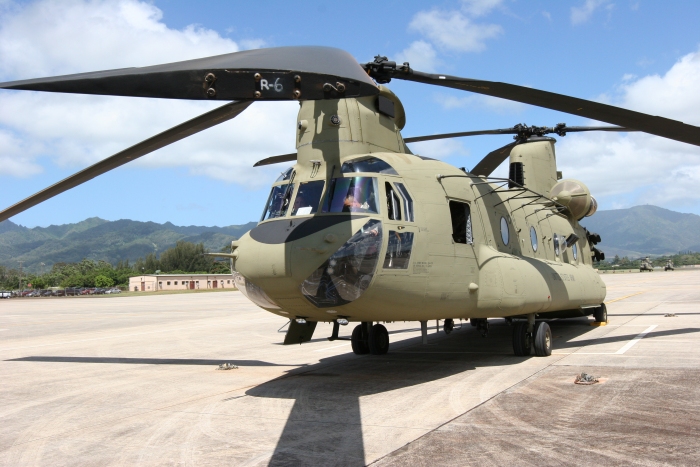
(505, 231)
(574, 251)
(367, 164)
(407, 202)
(393, 205)
(278, 202)
(555, 238)
(398, 252)
(352, 194)
(533, 238)
(308, 198)
(461, 222)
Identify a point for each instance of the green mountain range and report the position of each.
(98, 239)
(632, 232)
(645, 231)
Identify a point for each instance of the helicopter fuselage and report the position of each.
(362, 229)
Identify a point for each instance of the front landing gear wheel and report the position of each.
(448, 326)
(601, 314)
(522, 340)
(359, 341)
(378, 340)
(543, 340)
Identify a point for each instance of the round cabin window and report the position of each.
(533, 238)
(574, 250)
(504, 231)
(556, 244)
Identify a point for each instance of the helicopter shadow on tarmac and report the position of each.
(325, 426)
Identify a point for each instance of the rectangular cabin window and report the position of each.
(398, 252)
(407, 202)
(461, 222)
(392, 203)
(308, 198)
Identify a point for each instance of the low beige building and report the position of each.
(155, 282)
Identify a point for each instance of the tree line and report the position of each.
(683, 258)
(184, 257)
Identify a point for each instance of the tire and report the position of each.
(543, 340)
(601, 314)
(378, 340)
(358, 342)
(473, 321)
(522, 341)
(448, 326)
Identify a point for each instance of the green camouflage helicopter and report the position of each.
(361, 230)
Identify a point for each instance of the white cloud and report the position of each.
(478, 101)
(60, 37)
(639, 167)
(479, 7)
(584, 12)
(421, 55)
(453, 30)
(439, 148)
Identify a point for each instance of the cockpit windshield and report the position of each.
(352, 194)
(278, 202)
(286, 175)
(368, 164)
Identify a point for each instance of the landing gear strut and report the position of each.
(481, 324)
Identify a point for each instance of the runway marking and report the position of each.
(622, 298)
(639, 337)
(329, 348)
(624, 348)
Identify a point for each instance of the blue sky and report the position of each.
(640, 54)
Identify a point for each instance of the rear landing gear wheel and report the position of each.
(601, 314)
(522, 340)
(359, 341)
(378, 340)
(448, 326)
(543, 340)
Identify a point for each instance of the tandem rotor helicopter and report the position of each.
(361, 230)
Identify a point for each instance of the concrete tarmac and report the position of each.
(134, 381)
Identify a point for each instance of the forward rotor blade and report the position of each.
(654, 125)
(277, 159)
(280, 73)
(415, 139)
(492, 160)
(190, 127)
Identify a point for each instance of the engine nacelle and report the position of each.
(576, 196)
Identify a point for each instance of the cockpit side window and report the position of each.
(461, 222)
(407, 202)
(308, 198)
(352, 194)
(286, 175)
(368, 164)
(393, 205)
(278, 202)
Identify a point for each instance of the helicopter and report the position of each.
(362, 230)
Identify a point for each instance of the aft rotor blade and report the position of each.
(280, 73)
(190, 127)
(277, 159)
(654, 125)
(492, 160)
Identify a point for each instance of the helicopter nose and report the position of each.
(315, 264)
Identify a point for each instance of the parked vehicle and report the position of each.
(5, 294)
